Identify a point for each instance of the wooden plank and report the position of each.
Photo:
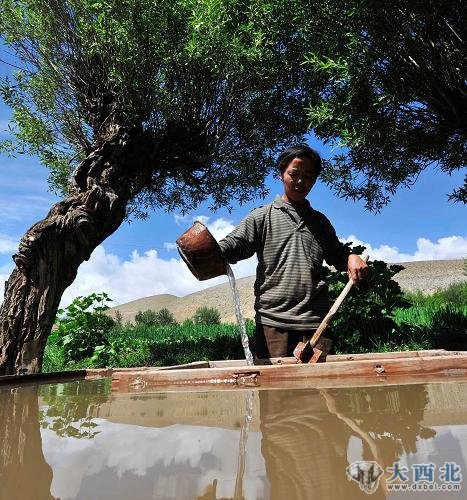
(92, 373)
(333, 357)
(36, 378)
(107, 372)
(390, 355)
(194, 364)
(280, 371)
(449, 365)
(120, 387)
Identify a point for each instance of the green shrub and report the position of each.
(163, 317)
(455, 294)
(196, 342)
(147, 318)
(54, 357)
(365, 318)
(118, 319)
(119, 351)
(143, 345)
(82, 326)
(207, 316)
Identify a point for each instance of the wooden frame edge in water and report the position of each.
(340, 371)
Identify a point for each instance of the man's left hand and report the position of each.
(357, 268)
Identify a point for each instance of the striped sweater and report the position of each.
(290, 243)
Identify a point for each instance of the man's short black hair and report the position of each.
(299, 151)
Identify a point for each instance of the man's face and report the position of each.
(298, 179)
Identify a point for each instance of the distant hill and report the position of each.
(427, 276)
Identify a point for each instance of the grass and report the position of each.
(441, 327)
(454, 295)
(156, 346)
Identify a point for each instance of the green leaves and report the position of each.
(219, 86)
(390, 95)
(206, 316)
(365, 319)
(163, 317)
(83, 325)
(324, 63)
(210, 88)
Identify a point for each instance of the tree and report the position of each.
(138, 104)
(163, 317)
(146, 318)
(207, 316)
(393, 97)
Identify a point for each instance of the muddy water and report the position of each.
(77, 440)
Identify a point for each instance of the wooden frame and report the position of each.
(337, 371)
(346, 370)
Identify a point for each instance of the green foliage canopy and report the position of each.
(216, 87)
(163, 317)
(213, 88)
(207, 316)
(394, 99)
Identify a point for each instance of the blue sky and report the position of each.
(140, 259)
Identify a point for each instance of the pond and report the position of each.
(81, 440)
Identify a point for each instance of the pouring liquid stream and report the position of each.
(249, 400)
(240, 318)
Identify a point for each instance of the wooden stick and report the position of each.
(306, 352)
(327, 319)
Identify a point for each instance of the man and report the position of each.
(291, 240)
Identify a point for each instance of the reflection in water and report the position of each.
(210, 492)
(306, 436)
(69, 408)
(23, 471)
(250, 444)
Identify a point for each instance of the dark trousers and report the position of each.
(272, 342)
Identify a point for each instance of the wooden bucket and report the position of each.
(201, 252)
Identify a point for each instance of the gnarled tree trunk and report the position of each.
(51, 251)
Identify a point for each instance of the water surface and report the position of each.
(77, 440)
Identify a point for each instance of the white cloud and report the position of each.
(5, 272)
(181, 219)
(141, 276)
(19, 208)
(450, 247)
(170, 246)
(7, 244)
(220, 228)
(201, 218)
(3, 279)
